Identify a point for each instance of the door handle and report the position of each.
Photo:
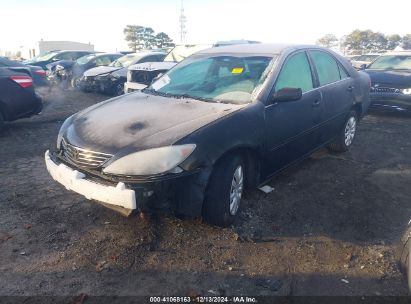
(350, 88)
(317, 102)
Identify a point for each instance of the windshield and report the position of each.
(43, 57)
(368, 58)
(85, 59)
(125, 61)
(392, 62)
(229, 79)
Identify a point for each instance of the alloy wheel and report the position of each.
(349, 132)
(236, 191)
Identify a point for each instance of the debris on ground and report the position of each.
(266, 189)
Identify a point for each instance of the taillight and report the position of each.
(23, 81)
(41, 72)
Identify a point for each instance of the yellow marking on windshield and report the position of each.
(237, 70)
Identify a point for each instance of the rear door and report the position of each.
(292, 128)
(336, 87)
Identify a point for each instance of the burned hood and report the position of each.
(100, 70)
(393, 78)
(152, 66)
(140, 121)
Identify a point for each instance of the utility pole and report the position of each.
(183, 20)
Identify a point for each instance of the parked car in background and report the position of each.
(71, 72)
(141, 75)
(223, 119)
(352, 57)
(17, 96)
(37, 73)
(364, 60)
(391, 81)
(110, 79)
(50, 57)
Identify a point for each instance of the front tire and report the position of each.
(346, 136)
(403, 256)
(224, 191)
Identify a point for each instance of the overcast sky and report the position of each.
(24, 22)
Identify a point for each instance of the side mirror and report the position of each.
(363, 67)
(287, 94)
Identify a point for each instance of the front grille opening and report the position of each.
(82, 157)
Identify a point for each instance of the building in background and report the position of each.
(28, 52)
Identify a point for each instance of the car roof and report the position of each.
(147, 53)
(404, 53)
(105, 54)
(257, 48)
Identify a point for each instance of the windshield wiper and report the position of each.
(196, 97)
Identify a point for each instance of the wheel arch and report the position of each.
(251, 158)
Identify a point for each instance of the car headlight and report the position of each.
(151, 161)
(406, 91)
(115, 75)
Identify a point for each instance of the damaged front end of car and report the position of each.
(100, 177)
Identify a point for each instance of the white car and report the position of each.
(141, 75)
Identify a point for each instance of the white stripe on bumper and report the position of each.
(75, 181)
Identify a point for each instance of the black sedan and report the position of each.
(391, 81)
(44, 59)
(76, 71)
(221, 120)
(17, 96)
(37, 73)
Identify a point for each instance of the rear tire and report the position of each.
(346, 136)
(224, 191)
(403, 256)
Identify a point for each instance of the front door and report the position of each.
(292, 127)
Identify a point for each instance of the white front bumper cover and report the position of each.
(74, 180)
(133, 86)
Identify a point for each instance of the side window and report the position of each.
(148, 59)
(327, 67)
(65, 56)
(103, 60)
(160, 57)
(343, 72)
(295, 73)
(78, 55)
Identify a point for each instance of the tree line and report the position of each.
(366, 41)
(144, 38)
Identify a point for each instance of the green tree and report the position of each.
(147, 38)
(406, 42)
(141, 37)
(393, 41)
(163, 41)
(133, 36)
(377, 42)
(328, 41)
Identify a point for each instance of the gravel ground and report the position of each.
(330, 227)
